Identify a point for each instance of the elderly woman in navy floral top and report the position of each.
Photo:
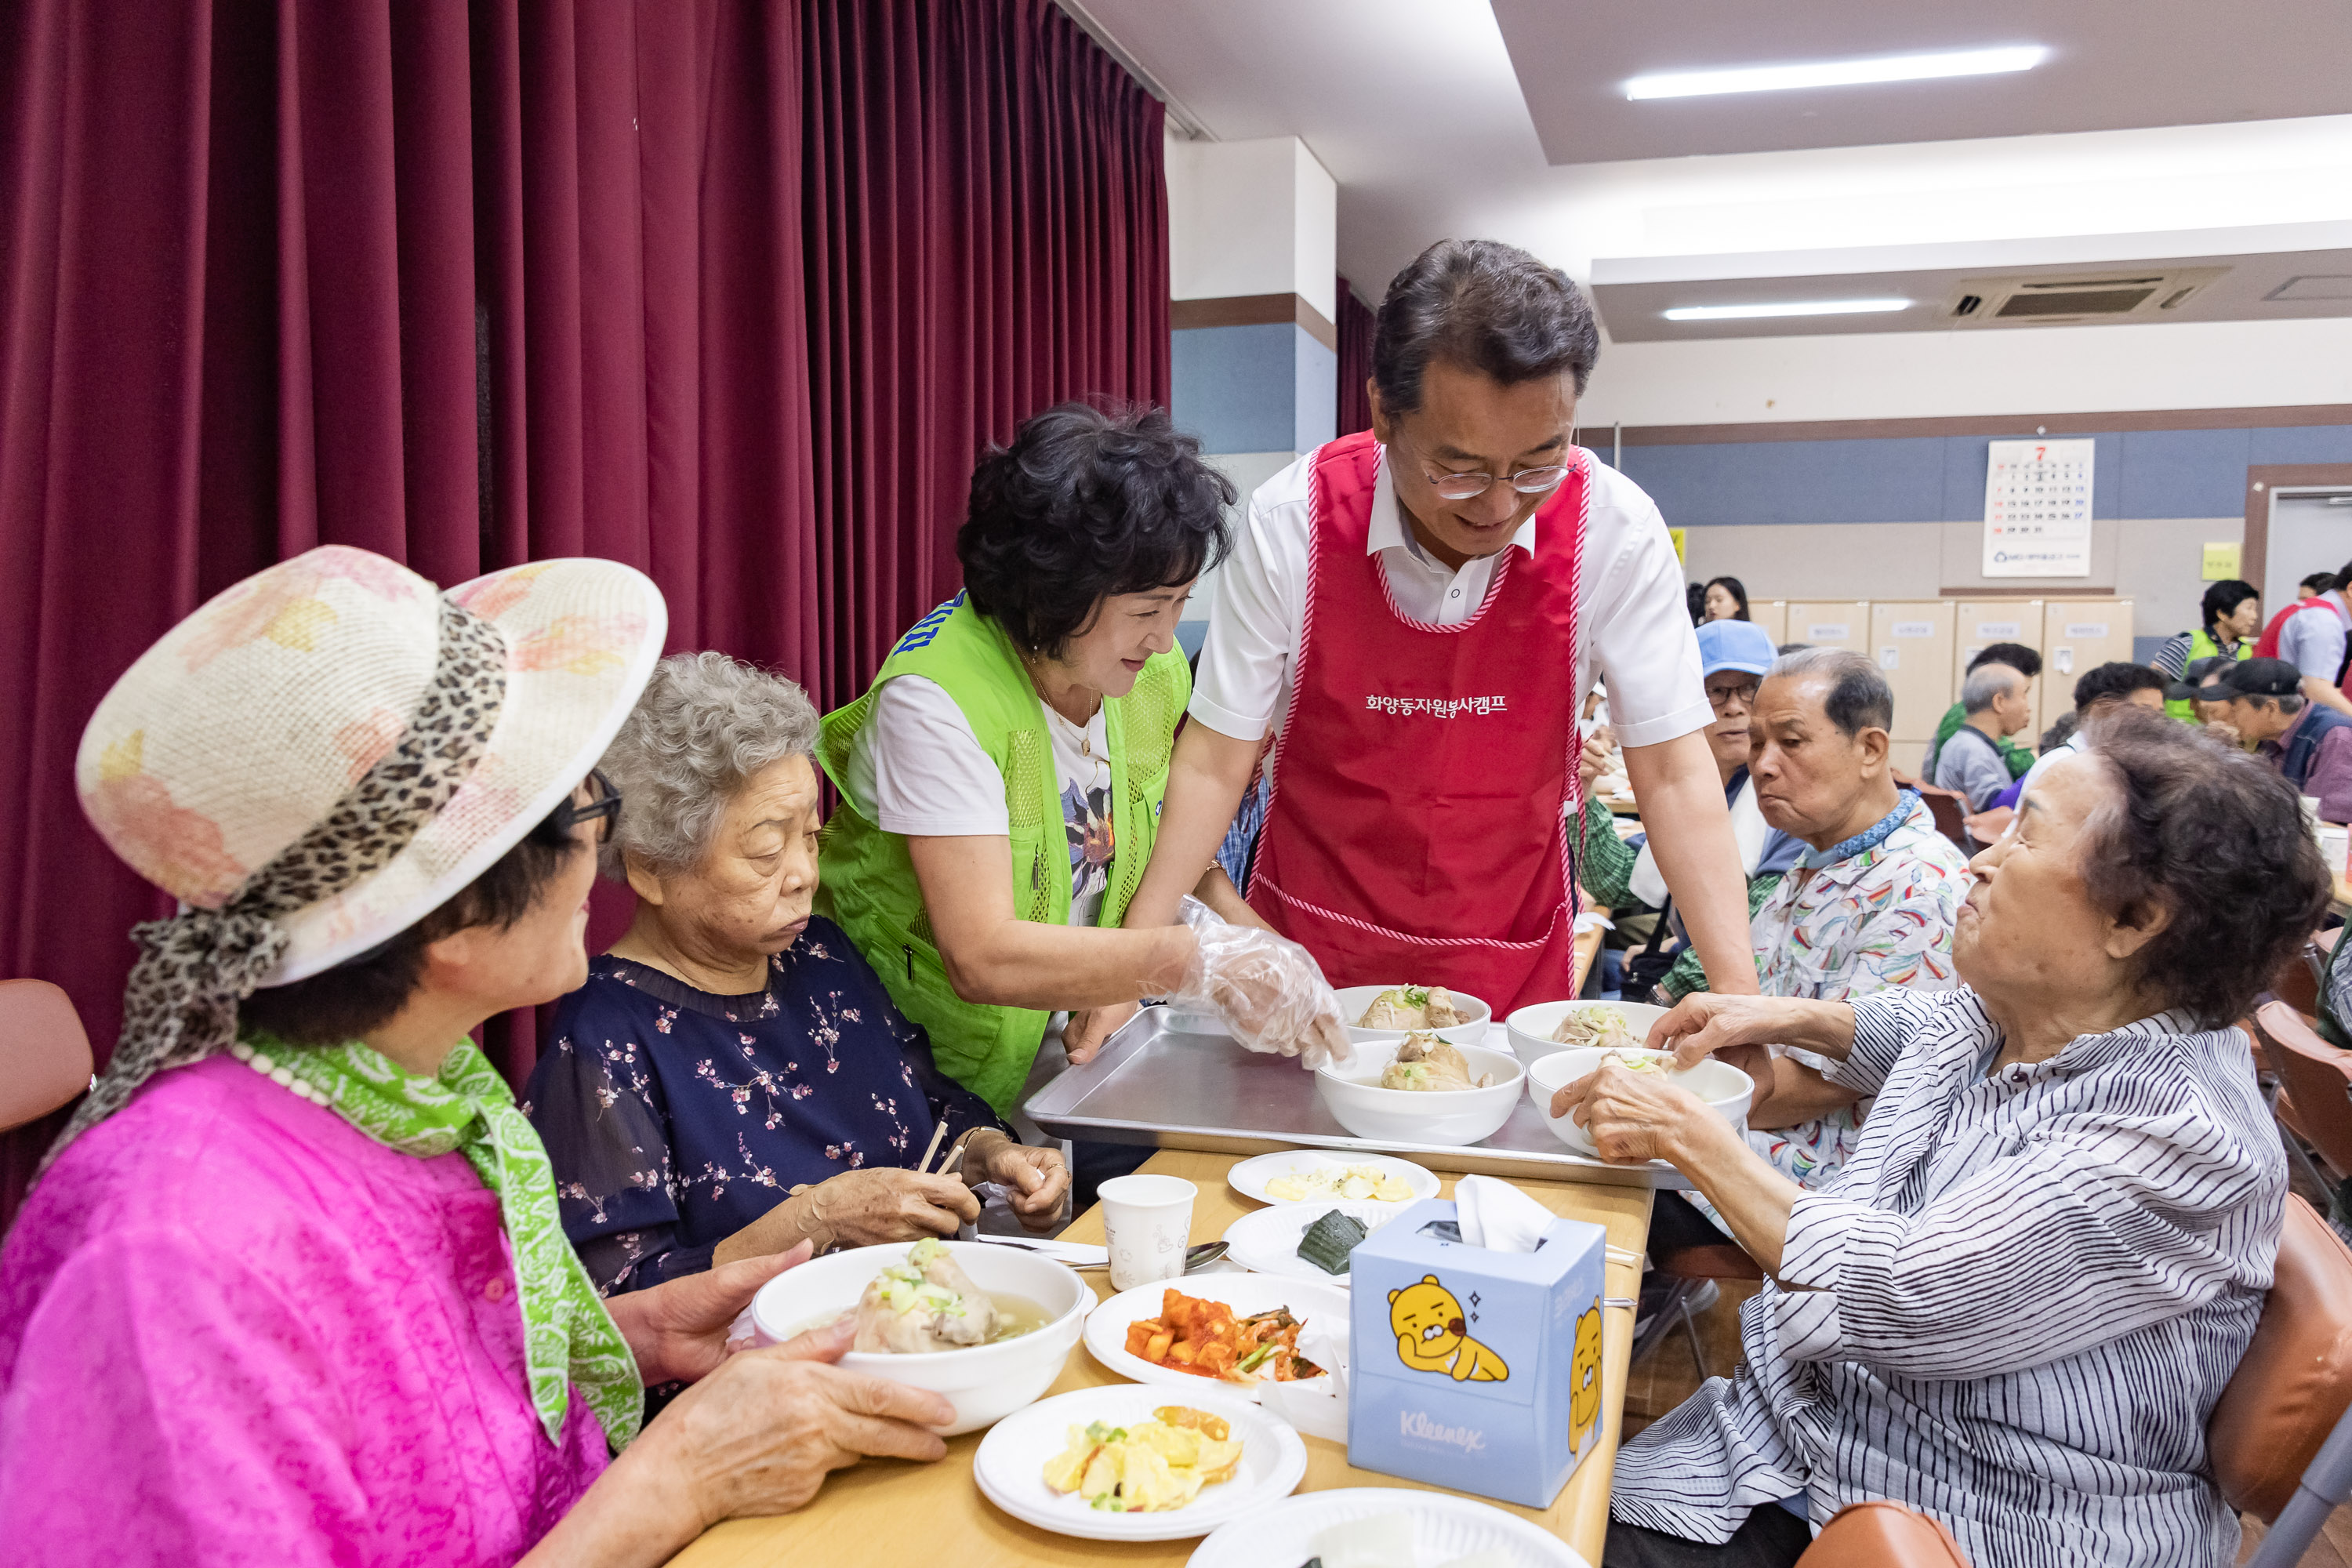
(733, 1077)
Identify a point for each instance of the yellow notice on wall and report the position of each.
(1677, 534)
(2220, 561)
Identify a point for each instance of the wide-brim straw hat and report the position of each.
(251, 723)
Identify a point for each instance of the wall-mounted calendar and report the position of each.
(2037, 519)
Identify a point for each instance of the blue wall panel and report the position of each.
(1237, 387)
(1899, 480)
(1317, 406)
(2136, 474)
(2185, 473)
(2302, 444)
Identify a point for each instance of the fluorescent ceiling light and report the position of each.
(1785, 308)
(1837, 73)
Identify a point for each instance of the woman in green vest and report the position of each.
(2232, 615)
(1001, 779)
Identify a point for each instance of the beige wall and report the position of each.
(2157, 562)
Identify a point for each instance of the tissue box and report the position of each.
(1472, 1369)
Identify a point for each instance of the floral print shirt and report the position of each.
(674, 1117)
(1879, 921)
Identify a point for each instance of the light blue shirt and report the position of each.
(2313, 638)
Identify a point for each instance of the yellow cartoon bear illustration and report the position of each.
(1427, 1320)
(1584, 1379)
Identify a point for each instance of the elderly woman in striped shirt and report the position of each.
(2017, 1306)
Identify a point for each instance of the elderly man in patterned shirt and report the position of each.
(1868, 907)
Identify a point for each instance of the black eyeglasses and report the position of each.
(602, 807)
(1721, 696)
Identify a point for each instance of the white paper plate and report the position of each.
(1444, 1527)
(1250, 1176)
(1010, 1464)
(1267, 1239)
(1244, 1294)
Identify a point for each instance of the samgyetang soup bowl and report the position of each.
(987, 1382)
(1726, 1090)
(1353, 1095)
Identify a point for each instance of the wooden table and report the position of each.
(889, 1511)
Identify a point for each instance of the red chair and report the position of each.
(2295, 1382)
(1951, 813)
(44, 1054)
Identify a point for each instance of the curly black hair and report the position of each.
(1085, 504)
(2218, 840)
(1483, 306)
(2117, 680)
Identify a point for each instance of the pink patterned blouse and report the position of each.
(234, 1328)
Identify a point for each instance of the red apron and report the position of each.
(1424, 773)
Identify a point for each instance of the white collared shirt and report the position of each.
(1631, 615)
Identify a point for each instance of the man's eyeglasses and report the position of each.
(601, 807)
(1469, 487)
(1723, 696)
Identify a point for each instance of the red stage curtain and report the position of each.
(730, 291)
(1355, 324)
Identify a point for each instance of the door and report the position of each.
(2077, 636)
(1837, 622)
(1912, 642)
(2309, 532)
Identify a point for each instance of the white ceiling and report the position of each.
(1416, 109)
(2112, 65)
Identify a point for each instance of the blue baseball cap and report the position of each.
(1734, 645)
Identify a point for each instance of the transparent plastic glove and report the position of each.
(1269, 990)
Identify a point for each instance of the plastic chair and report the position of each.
(1883, 1535)
(43, 1055)
(1950, 811)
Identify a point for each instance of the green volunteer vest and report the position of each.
(2201, 646)
(867, 885)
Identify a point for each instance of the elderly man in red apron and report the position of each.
(1419, 613)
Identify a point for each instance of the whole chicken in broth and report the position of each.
(1425, 1062)
(1412, 1007)
(926, 1304)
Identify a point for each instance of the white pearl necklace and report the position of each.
(278, 1073)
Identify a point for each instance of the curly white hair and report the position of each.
(706, 725)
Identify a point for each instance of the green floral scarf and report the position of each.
(568, 1335)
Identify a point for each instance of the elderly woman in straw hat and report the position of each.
(292, 1287)
(734, 1078)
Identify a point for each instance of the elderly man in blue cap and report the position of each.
(1734, 658)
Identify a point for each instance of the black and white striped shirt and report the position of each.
(2015, 1308)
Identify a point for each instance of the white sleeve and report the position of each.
(1641, 637)
(917, 768)
(1254, 610)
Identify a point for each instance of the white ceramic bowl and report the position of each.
(1529, 1029)
(987, 1382)
(1354, 1096)
(1471, 1031)
(1726, 1090)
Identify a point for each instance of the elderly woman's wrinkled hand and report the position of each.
(1035, 1181)
(1631, 1116)
(759, 1435)
(869, 1207)
(1600, 747)
(1269, 991)
(1732, 1028)
(677, 1329)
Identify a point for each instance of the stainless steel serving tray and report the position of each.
(1165, 1088)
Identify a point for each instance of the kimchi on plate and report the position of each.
(1205, 1338)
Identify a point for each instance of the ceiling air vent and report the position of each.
(2127, 295)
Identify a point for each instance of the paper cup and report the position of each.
(1148, 1223)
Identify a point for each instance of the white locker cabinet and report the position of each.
(1772, 615)
(1979, 622)
(1837, 623)
(1911, 642)
(2077, 636)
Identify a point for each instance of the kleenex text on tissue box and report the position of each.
(1473, 1369)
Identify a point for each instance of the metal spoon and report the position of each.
(1198, 1256)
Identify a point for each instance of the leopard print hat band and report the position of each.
(181, 1003)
